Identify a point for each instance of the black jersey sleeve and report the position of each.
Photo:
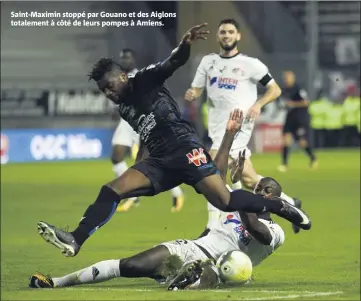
(156, 74)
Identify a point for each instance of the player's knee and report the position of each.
(129, 266)
(287, 139)
(108, 194)
(303, 143)
(249, 182)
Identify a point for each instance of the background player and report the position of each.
(257, 237)
(125, 137)
(297, 123)
(230, 79)
(176, 155)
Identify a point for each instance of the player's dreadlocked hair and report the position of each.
(101, 67)
(272, 186)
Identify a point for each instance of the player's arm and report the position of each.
(273, 91)
(233, 126)
(256, 228)
(303, 103)
(199, 82)
(180, 55)
(158, 73)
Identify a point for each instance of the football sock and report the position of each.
(242, 200)
(285, 152)
(97, 214)
(99, 272)
(177, 192)
(310, 153)
(120, 168)
(284, 196)
(237, 185)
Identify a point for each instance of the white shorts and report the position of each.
(187, 250)
(125, 135)
(240, 142)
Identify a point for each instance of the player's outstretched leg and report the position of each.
(213, 188)
(131, 184)
(146, 264)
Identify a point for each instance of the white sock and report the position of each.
(287, 198)
(237, 185)
(283, 195)
(120, 168)
(177, 192)
(99, 272)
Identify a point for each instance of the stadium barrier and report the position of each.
(33, 145)
(267, 138)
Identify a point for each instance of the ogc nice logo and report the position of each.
(197, 157)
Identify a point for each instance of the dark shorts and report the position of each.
(297, 124)
(188, 165)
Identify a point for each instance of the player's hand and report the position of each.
(235, 121)
(195, 33)
(190, 94)
(254, 112)
(237, 168)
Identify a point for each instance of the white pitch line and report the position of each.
(296, 294)
(315, 294)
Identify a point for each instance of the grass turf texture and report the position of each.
(321, 264)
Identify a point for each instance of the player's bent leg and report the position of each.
(145, 264)
(303, 143)
(213, 188)
(150, 264)
(249, 177)
(287, 140)
(118, 157)
(131, 184)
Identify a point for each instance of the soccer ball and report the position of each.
(234, 267)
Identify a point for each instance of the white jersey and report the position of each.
(228, 233)
(230, 83)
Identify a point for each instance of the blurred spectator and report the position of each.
(351, 109)
(333, 125)
(318, 111)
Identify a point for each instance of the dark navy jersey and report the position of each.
(152, 112)
(295, 93)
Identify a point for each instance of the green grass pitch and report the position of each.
(321, 264)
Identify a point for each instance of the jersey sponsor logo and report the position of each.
(146, 123)
(243, 234)
(231, 219)
(4, 147)
(224, 83)
(212, 80)
(197, 157)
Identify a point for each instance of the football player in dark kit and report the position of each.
(297, 125)
(175, 154)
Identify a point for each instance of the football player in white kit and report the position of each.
(257, 236)
(230, 80)
(125, 137)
